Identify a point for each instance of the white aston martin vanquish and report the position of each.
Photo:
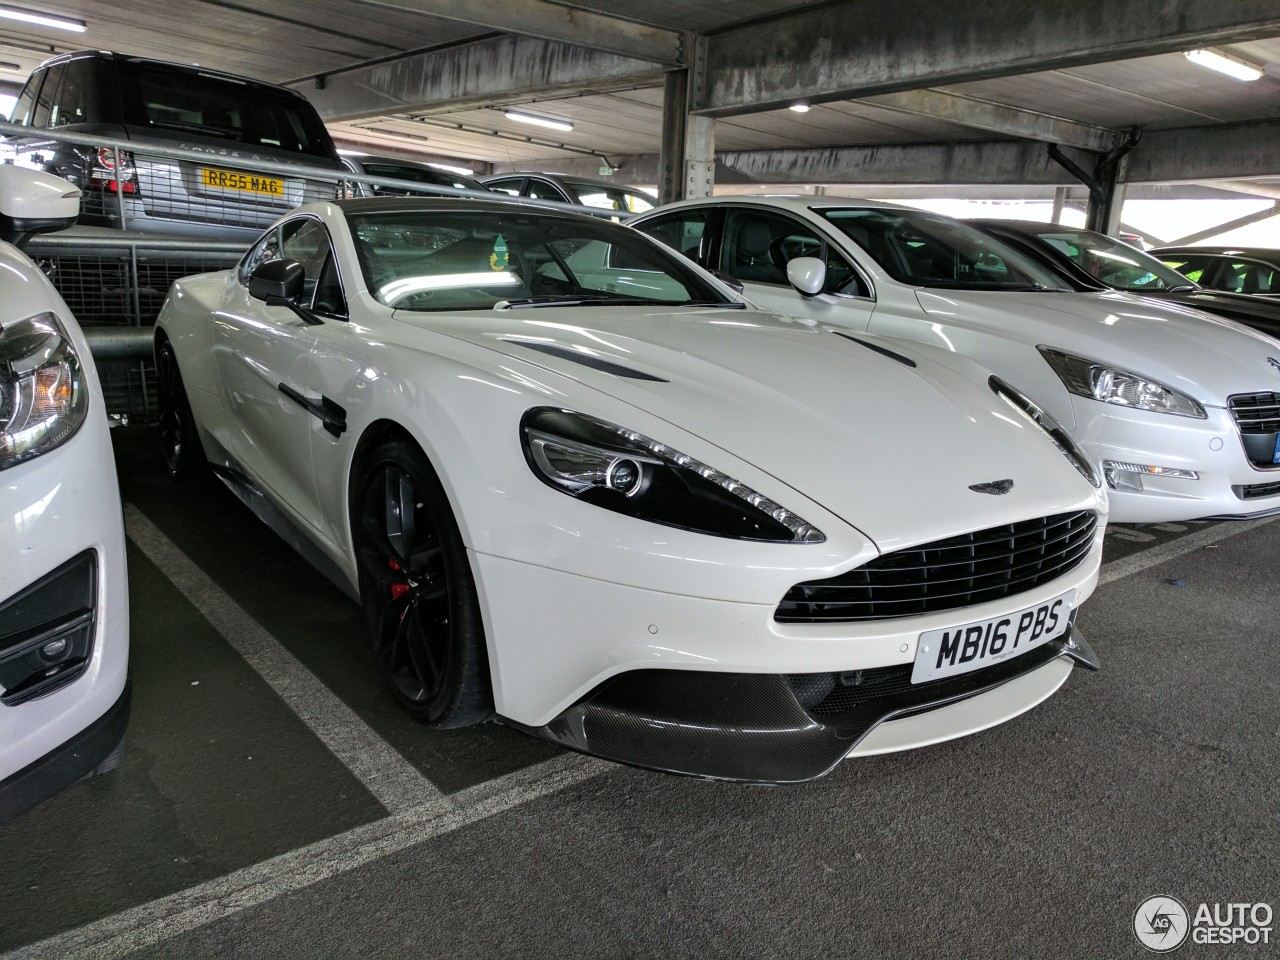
(575, 483)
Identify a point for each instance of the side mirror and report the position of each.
(807, 274)
(277, 281)
(733, 283)
(32, 201)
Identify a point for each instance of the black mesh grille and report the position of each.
(959, 572)
(1256, 412)
(1255, 490)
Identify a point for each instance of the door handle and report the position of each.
(331, 416)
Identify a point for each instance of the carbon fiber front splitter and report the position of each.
(764, 728)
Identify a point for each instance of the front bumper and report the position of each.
(770, 728)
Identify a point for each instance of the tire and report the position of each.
(418, 591)
(184, 457)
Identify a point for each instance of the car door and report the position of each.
(262, 353)
(754, 246)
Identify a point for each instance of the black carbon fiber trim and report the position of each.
(586, 359)
(762, 728)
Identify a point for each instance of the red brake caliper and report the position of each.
(398, 590)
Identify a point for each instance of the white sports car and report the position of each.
(64, 615)
(1180, 410)
(576, 483)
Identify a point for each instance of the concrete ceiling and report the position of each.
(970, 77)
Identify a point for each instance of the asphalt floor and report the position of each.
(274, 803)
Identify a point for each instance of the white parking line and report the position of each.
(161, 920)
(431, 816)
(394, 781)
(1136, 563)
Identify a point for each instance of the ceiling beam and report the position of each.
(554, 21)
(494, 70)
(1246, 187)
(1229, 151)
(999, 118)
(840, 51)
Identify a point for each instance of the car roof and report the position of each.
(359, 205)
(1257, 253)
(563, 178)
(183, 67)
(798, 202)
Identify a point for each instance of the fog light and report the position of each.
(624, 475)
(54, 650)
(1127, 476)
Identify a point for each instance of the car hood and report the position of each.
(890, 447)
(1206, 357)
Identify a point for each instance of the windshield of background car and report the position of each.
(471, 260)
(1111, 262)
(927, 250)
(611, 198)
(161, 97)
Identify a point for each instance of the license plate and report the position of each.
(1275, 456)
(972, 646)
(244, 182)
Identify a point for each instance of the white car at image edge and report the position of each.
(1179, 409)
(64, 617)
(576, 484)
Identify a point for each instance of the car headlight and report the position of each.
(624, 471)
(43, 394)
(1099, 381)
(1032, 411)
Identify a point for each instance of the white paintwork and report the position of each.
(807, 274)
(1206, 357)
(35, 195)
(876, 454)
(52, 508)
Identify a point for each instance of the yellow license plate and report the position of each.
(245, 182)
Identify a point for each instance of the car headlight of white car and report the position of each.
(624, 471)
(43, 395)
(1028, 409)
(1101, 381)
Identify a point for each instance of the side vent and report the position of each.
(884, 351)
(585, 359)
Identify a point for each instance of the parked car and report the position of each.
(238, 122)
(64, 615)
(1179, 410)
(575, 482)
(582, 190)
(395, 168)
(1092, 261)
(1252, 270)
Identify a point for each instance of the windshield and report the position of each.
(167, 98)
(474, 260)
(927, 250)
(1112, 262)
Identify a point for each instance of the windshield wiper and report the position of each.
(611, 302)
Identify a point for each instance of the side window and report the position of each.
(684, 232)
(26, 100)
(758, 245)
(541, 190)
(44, 102)
(328, 293)
(71, 103)
(510, 186)
(307, 241)
(1247, 276)
(1195, 269)
(264, 251)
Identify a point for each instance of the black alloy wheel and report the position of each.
(418, 591)
(184, 457)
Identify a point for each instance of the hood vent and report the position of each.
(585, 359)
(884, 351)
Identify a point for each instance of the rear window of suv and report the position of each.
(207, 105)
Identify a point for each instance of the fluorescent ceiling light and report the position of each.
(461, 171)
(1232, 66)
(42, 19)
(539, 121)
(800, 106)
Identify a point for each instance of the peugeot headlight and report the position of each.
(1088, 378)
(43, 395)
(1030, 410)
(624, 471)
